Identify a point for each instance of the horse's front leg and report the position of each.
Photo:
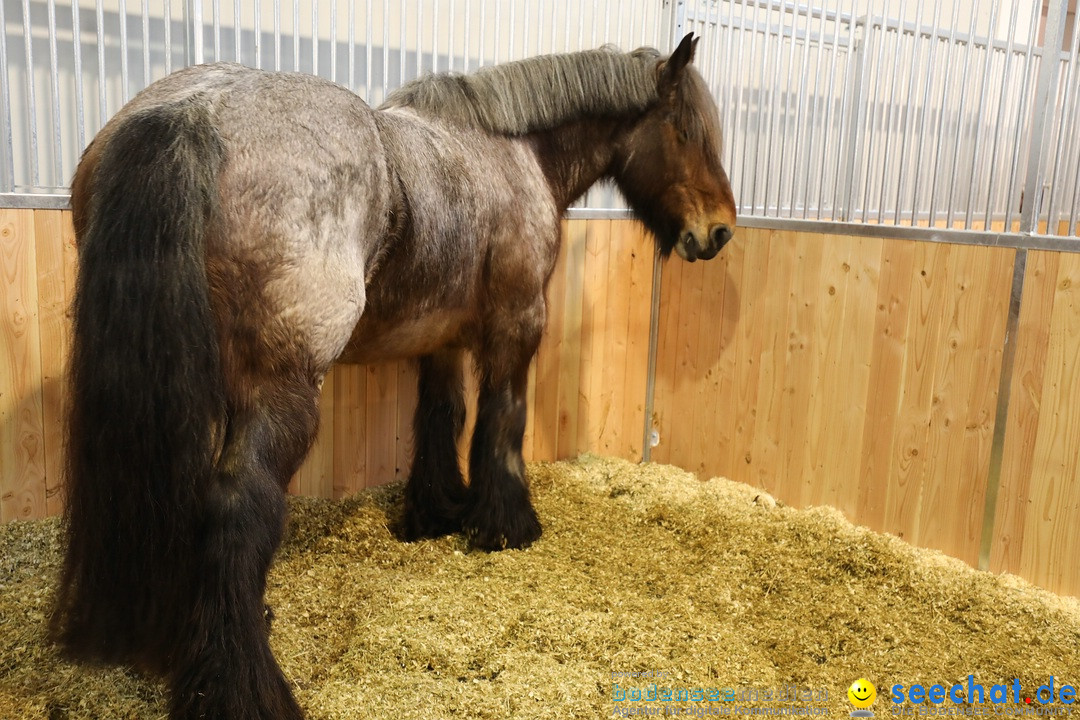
(499, 513)
(435, 493)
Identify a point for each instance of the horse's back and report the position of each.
(301, 206)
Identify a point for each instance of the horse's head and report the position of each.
(668, 166)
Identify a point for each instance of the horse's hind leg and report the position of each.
(229, 672)
(500, 512)
(435, 493)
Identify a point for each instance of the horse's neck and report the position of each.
(574, 156)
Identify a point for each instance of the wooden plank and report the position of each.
(639, 247)
(613, 391)
(1025, 405)
(407, 398)
(350, 429)
(381, 422)
(22, 443)
(53, 235)
(885, 382)
(594, 307)
(315, 478)
(575, 239)
(1050, 541)
(548, 361)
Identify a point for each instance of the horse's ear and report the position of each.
(671, 69)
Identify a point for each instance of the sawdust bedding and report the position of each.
(644, 577)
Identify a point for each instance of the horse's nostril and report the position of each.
(720, 234)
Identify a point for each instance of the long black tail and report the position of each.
(147, 398)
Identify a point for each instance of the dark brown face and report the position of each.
(670, 169)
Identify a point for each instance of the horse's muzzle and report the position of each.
(691, 247)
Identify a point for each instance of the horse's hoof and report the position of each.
(414, 525)
(518, 532)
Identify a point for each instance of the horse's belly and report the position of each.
(379, 341)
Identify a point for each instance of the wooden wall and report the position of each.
(855, 372)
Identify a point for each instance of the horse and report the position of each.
(239, 231)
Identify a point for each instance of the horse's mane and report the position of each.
(539, 93)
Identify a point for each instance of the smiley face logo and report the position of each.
(862, 693)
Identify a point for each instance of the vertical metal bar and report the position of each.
(950, 214)
(498, 31)
(368, 55)
(257, 38)
(654, 343)
(1000, 118)
(811, 121)
(1001, 415)
(1063, 140)
(277, 35)
(7, 170)
(854, 118)
(513, 27)
(167, 12)
(873, 98)
(296, 34)
(761, 106)
(891, 106)
(466, 35)
(333, 41)
(1020, 115)
(352, 46)
(419, 36)
(781, 108)
(237, 29)
(742, 142)
(100, 30)
(1045, 100)
(54, 82)
(854, 61)
(385, 50)
(435, 37)
(829, 110)
(402, 43)
(31, 102)
(215, 8)
(800, 129)
(941, 116)
(146, 42)
(983, 102)
(76, 34)
(315, 38)
(908, 127)
(450, 40)
(124, 87)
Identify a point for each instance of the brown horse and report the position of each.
(240, 231)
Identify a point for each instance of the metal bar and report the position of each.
(950, 213)
(333, 41)
(257, 38)
(368, 55)
(277, 35)
(237, 25)
(889, 117)
(215, 8)
(296, 34)
(828, 116)
(31, 104)
(1000, 118)
(1015, 164)
(983, 95)
(315, 39)
(777, 68)
(76, 35)
(737, 111)
(871, 99)
(352, 46)
(761, 118)
(909, 126)
(54, 83)
(843, 187)
(167, 12)
(810, 123)
(922, 120)
(941, 116)
(1064, 139)
(124, 86)
(1001, 416)
(197, 33)
(100, 30)
(7, 170)
(654, 343)
(145, 41)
